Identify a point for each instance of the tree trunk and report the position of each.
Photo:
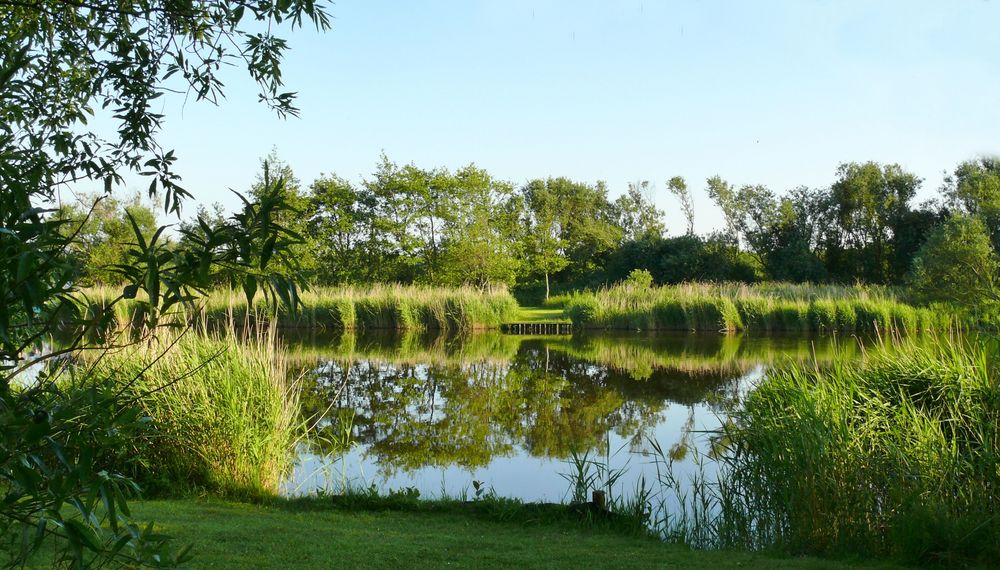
(546, 285)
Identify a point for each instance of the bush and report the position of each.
(639, 278)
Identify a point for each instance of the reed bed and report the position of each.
(775, 307)
(223, 415)
(893, 455)
(395, 307)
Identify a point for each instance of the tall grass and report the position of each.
(395, 307)
(895, 455)
(775, 307)
(223, 415)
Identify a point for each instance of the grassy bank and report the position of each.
(894, 455)
(222, 415)
(313, 535)
(763, 308)
(394, 307)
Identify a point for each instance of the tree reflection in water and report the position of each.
(439, 402)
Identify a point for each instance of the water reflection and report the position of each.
(434, 413)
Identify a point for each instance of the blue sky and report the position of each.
(763, 92)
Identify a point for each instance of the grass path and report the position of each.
(235, 535)
(541, 315)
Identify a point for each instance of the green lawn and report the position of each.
(286, 536)
(541, 315)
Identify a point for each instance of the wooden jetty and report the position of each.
(537, 328)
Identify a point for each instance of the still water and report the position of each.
(519, 414)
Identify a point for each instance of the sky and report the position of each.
(764, 92)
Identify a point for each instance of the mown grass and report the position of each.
(772, 307)
(318, 534)
(223, 416)
(394, 307)
(893, 455)
(541, 315)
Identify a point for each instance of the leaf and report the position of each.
(130, 291)
(87, 535)
(250, 289)
(268, 251)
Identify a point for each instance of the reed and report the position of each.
(775, 307)
(223, 415)
(396, 307)
(895, 454)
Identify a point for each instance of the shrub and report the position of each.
(639, 278)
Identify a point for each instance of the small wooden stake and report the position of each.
(600, 500)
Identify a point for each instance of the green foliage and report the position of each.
(974, 188)
(956, 264)
(638, 217)
(276, 181)
(480, 245)
(772, 307)
(870, 199)
(102, 234)
(57, 493)
(895, 455)
(678, 187)
(407, 224)
(639, 278)
(571, 226)
(222, 414)
(394, 307)
(58, 62)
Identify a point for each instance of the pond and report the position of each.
(521, 414)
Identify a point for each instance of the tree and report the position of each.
(544, 245)
(974, 188)
(103, 233)
(678, 187)
(637, 216)
(956, 264)
(336, 228)
(58, 62)
(480, 243)
(394, 202)
(870, 200)
(572, 227)
(724, 195)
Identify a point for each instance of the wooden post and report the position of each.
(600, 500)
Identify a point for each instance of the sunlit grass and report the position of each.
(775, 307)
(541, 315)
(223, 415)
(396, 307)
(895, 454)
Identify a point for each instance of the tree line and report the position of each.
(408, 224)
